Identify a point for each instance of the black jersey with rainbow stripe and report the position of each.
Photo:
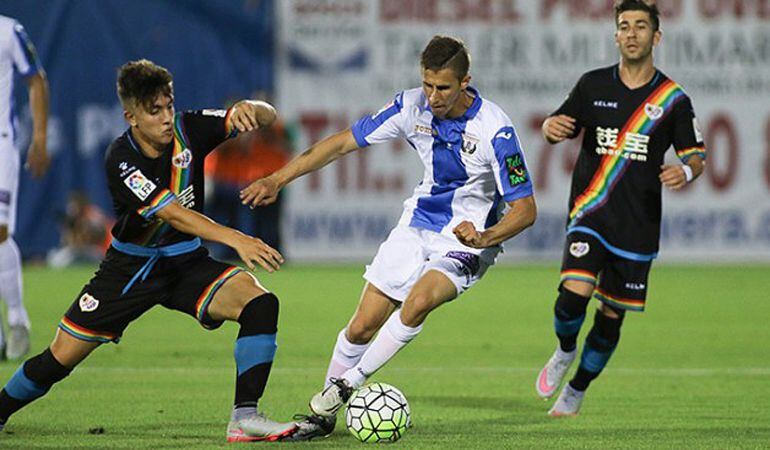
(616, 192)
(140, 186)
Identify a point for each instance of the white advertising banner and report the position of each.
(340, 59)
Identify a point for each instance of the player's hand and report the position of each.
(252, 250)
(672, 176)
(262, 192)
(558, 128)
(244, 116)
(468, 235)
(37, 159)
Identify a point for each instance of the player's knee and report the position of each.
(3, 233)
(581, 288)
(360, 332)
(612, 312)
(570, 305)
(605, 333)
(260, 315)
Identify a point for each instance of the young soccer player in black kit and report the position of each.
(155, 177)
(631, 113)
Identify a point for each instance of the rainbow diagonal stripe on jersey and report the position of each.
(180, 175)
(614, 164)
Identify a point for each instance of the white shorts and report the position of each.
(410, 252)
(9, 182)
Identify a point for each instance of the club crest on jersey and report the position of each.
(88, 303)
(183, 159)
(469, 144)
(579, 249)
(653, 111)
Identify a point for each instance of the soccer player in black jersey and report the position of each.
(631, 113)
(155, 177)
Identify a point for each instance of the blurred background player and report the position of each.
(155, 176)
(17, 55)
(451, 229)
(631, 113)
(85, 233)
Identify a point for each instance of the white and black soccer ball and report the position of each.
(378, 412)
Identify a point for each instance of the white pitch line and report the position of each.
(623, 371)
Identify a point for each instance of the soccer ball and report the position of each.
(378, 413)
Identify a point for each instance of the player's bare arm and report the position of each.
(674, 176)
(558, 128)
(520, 216)
(265, 190)
(37, 155)
(247, 115)
(250, 249)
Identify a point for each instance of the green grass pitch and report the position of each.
(691, 372)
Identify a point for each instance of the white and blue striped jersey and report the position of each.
(473, 163)
(17, 55)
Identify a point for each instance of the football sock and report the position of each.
(10, 283)
(569, 313)
(346, 355)
(30, 381)
(393, 336)
(242, 412)
(255, 349)
(600, 343)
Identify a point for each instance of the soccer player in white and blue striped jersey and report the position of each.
(475, 193)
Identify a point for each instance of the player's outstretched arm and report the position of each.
(675, 176)
(265, 190)
(37, 155)
(558, 128)
(250, 249)
(247, 115)
(520, 216)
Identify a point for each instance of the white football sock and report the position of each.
(10, 283)
(346, 354)
(393, 336)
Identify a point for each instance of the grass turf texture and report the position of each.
(691, 372)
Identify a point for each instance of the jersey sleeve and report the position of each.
(23, 53)
(573, 106)
(133, 187)
(687, 136)
(382, 126)
(205, 129)
(510, 168)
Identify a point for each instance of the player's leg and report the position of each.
(623, 287)
(10, 259)
(35, 377)
(583, 256)
(237, 296)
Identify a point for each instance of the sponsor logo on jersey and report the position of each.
(214, 112)
(186, 198)
(653, 111)
(517, 173)
(183, 159)
(634, 144)
(422, 129)
(605, 104)
(470, 144)
(579, 249)
(635, 286)
(139, 184)
(88, 303)
(503, 135)
(125, 168)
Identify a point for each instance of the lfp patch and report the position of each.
(139, 184)
(517, 173)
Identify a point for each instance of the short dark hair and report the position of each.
(647, 6)
(444, 52)
(140, 82)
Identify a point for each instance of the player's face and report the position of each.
(154, 123)
(634, 36)
(444, 92)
